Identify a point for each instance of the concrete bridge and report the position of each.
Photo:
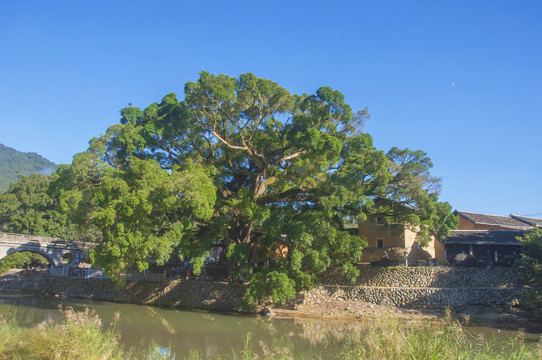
(57, 251)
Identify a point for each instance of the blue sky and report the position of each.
(461, 80)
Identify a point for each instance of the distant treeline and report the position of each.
(14, 163)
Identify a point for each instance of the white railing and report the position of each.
(59, 271)
(143, 276)
(100, 274)
(94, 274)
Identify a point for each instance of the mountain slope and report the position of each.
(14, 163)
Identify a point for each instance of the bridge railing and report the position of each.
(143, 276)
(59, 271)
(94, 274)
(100, 274)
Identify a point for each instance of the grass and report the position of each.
(396, 339)
(80, 335)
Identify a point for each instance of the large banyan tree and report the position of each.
(272, 176)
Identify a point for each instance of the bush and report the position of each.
(78, 335)
(531, 262)
(398, 340)
(274, 284)
(423, 263)
(22, 260)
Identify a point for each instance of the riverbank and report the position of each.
(221, 296)
(85, 329)
(512, 319)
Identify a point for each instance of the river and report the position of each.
(210, 334)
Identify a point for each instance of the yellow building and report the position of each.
(396, 242)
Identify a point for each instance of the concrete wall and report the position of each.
(439, 250)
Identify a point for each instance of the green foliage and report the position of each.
(141, 210)
(29, 207)
(531, 261)
(274, 284)
(395, 339)
(401, 340)
(273, 176)
(14, 164)
(22, 260)
(77, 335)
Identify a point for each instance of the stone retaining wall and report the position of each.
(191, 294)
(224, 296)
(419, 277)
(419, 298)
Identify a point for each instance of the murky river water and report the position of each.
(207, 333)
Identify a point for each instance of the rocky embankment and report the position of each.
(375, 294)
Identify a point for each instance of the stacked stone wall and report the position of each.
(424, 287)
(440, 277)
(431, 288)
(192, 294)
(419, 298)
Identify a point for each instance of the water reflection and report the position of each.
(208, 334)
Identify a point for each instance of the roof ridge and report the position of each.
(526, 217)
(479, 213)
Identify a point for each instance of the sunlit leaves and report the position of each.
(274, 177)
(29, 207)
(145, 212)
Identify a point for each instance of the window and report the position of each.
(380, 243)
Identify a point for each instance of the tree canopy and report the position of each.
(242, 162)
(30, 207)
(273, 177)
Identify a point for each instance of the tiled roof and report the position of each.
(484, 237)
(529, 220)
(495, 220)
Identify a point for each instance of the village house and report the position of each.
(487, 239)
(491, 239)
(396, 242)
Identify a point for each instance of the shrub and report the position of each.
(531, 262)
(78, 335)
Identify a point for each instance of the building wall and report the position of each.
(392, 234)
(397, 239)
(439, 251)
(465, 224)
(414, 250)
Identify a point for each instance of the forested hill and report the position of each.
(14, 163)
